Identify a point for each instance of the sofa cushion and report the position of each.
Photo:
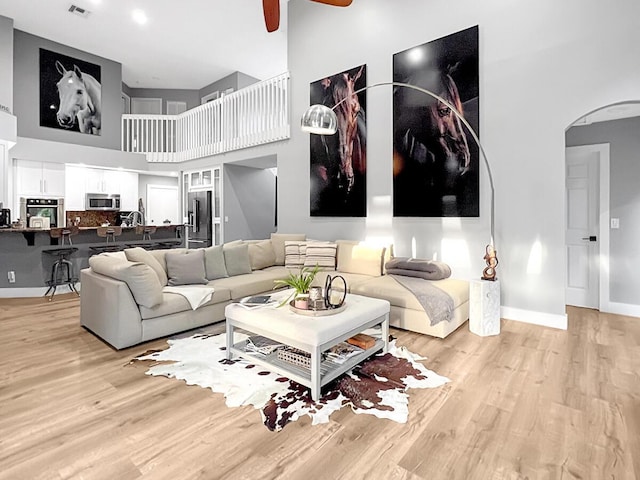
(186, 267)
(250, 284)
(214, 265)
(261, 254)
(278, 239)
(357, 258)
(294, 254)
(176, 303)
(116, 255)
(387, 288)
(322, 254)
(140, 278)
(236, 259)
(138, 254)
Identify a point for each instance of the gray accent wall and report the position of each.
(26, 85)
(530, 92)
(6, 63)
(249, 202)
(190, 97)
(623, 137)
(236, 80)
(244, 80)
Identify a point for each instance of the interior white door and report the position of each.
(175, 107)
(582, 227)
(162, 204)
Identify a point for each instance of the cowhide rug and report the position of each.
(377, 386)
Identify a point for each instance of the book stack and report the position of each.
(362, 340)
(342, 351)
(262, 345)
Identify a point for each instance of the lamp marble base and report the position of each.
(484, 307)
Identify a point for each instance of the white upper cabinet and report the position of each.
(75, 189)
(81, 180)
(39, 179)
(128, 191)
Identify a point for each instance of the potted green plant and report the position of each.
(300, 282)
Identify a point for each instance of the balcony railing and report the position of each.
(254, 115)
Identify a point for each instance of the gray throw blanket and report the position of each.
(437, 304)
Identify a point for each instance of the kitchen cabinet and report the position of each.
(128, 190)
(39, 179)
(200, 179)
(81, 180)
(75, 190)
(100, 180)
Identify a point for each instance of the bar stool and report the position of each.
(62, 269)
(110, 234)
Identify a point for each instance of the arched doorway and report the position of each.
(602, 209)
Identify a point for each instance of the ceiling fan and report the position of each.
(272, 11)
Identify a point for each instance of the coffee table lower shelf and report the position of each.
(329, 369)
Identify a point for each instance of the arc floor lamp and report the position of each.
(322, 120)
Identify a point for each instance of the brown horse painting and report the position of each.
(432, 153)
(435, 156)
(352, 152)
(338, 162)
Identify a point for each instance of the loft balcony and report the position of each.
(255, 115)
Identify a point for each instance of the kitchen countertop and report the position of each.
(82, 229)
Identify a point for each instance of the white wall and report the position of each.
(543, 64)
(49, 151)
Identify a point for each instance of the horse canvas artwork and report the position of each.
(339, 162)
(70, 93)
(436, 161)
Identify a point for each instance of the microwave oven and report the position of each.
(102, 201)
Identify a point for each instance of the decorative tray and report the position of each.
(318, 312)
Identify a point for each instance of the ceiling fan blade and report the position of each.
(335, 3)
(271, 10)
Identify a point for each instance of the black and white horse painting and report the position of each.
(70, 93)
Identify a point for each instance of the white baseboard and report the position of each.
(27, 292)
(622, 309)
(536, 318)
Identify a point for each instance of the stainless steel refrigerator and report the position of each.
(200, 228)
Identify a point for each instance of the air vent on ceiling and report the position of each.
(79, 11)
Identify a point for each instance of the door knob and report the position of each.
(592, 238)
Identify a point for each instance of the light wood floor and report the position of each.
(531, 403)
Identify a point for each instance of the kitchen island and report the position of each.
(22, 252)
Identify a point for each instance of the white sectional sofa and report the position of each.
(126, 296)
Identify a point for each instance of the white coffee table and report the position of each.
(310, 334)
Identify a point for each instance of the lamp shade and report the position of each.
(319, 119)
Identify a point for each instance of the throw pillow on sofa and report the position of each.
(236, 259)
(214, 263)
(294, 253)
(278, 239)
(261, 254)
(186, 267)
(138, 254)
(140, 278)
(322, 254)
(357, 258)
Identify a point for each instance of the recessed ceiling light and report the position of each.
(139, 16)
